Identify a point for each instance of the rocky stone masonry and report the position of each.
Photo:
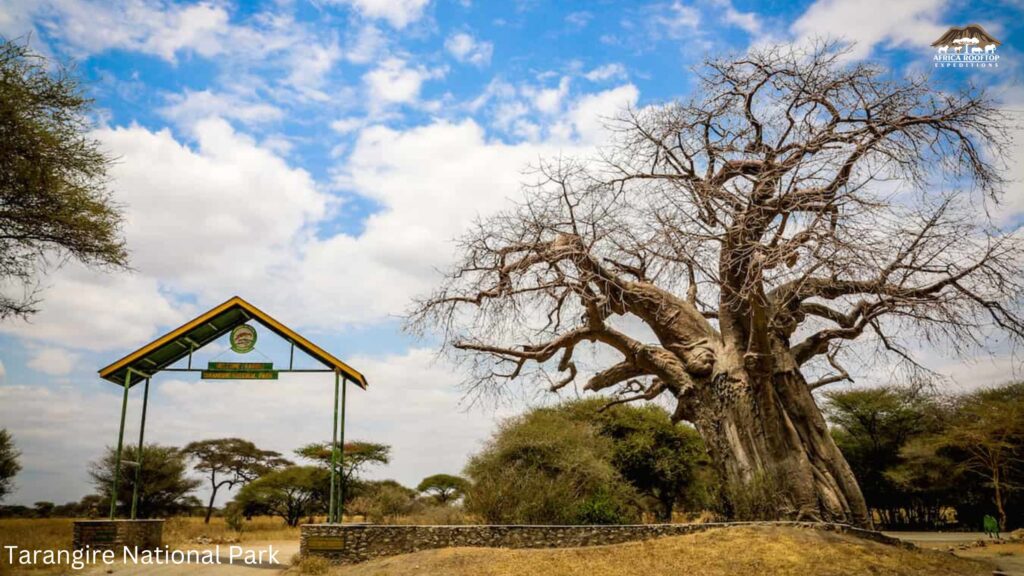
(115, 534)
(353, 543)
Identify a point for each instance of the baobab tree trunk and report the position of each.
(774, 452)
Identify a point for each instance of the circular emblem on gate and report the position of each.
(243, 339)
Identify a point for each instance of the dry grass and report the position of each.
(181, 533)
(730, 551)
(186, 532)
(32, 534)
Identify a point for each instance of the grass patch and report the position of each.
(723, 552)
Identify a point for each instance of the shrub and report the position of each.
(545, 468)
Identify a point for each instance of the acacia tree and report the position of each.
(793, 204)
(54, 201)
(987, 437)
(445, 487)
(231, 462)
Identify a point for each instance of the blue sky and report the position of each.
(317, 157)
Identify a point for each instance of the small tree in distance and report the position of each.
(230, 462)
(358, 456)
(443, 487)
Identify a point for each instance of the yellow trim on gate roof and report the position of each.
(263, 317)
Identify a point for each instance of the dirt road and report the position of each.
(1009, 558)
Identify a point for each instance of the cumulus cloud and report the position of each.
(395, 82)
(398, 13)
(54, 361)
(612, 71)
(148, 26)
(367, 44)
(549, 100)
(310, 66)
(187, 108)
(675, 20)
(94, 311)
(871, 22)
(750, 22)
(469, 50)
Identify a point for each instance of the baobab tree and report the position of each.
(725, 252)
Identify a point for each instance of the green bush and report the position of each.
(545, 468)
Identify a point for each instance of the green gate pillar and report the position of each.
(334, 454)
(120, 444)
(138, 464)
(341, 454)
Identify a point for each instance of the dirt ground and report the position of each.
(1008, 558)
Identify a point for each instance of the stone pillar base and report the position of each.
(116, 534)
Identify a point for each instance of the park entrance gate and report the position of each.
(235, 317)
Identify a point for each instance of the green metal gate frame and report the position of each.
(336, 506)
(239, 312)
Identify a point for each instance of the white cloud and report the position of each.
(54, 361)
(399, 13)
(3, 370)
(579, 20)
(309, 66)
(393, 82)
(676, 20)
(348, 125)
(149, 26)
(748, 21)
(469, 50)
(96, 311)
(224, 218)
(589, 114)
(368, 44)
(871, 22)
(607, 72)
(192, 106)
(549, 100)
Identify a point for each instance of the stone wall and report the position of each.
(114, 534)
(351, 543)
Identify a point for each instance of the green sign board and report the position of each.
(239, 374)
(240, 366)
(240, 371)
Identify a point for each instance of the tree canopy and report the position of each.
(54, 203)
